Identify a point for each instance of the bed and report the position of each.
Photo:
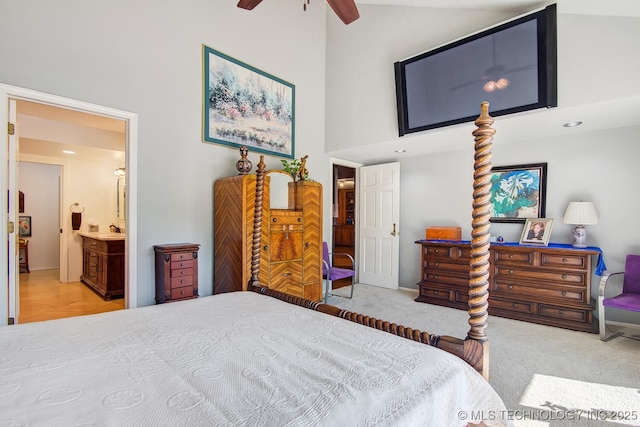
(255, 358)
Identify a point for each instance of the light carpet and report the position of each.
(547, 376)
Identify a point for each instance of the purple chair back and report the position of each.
(631, 282)
(325, 257)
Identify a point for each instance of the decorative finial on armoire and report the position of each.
(244, 165)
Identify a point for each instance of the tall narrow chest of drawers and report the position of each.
(176, 272)
(546, 285)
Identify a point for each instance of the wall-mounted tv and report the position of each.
(512, 66)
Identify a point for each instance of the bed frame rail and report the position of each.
(474, 349)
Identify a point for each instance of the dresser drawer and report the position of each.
(516, 306)
(568, 277)
(183, 292)
(93, 244)
(562, 313)
(181, 272)
(513, 257)
(178, 282)
(447, 264)
(535, 291)
(285, 273)
(286, 218)
(182, 264)
(181, 256)
(462, 253)
(435, 293)
(444, 278)
(564, 261)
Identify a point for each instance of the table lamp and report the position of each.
(580, 214)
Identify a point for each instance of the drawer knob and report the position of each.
(564, 276)
(275, 219)
(510, 271)
(510, 255)
(299, 219)
(181, 281)
(561, 311)
(564, 259)
(181, 292)
(436, 264)
(510, 286)
(435, 292)
(286, 274)
(435, 277)
(266, 247)
(515, 305)
(564, 293)
(436, 251)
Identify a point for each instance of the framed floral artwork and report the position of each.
(244, 106)
(518, 192)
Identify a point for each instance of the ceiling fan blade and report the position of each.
(346, 10)
(248, 4)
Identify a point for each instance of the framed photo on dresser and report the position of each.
(536, 231)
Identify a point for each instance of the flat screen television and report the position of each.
(512, 66)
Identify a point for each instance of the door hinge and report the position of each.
(11, 128)
(10, 227)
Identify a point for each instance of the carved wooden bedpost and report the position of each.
(257, 224)
(479, 264)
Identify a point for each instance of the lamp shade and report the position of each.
(581, 213)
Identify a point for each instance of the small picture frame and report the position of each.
(536, 231)
(24, 226)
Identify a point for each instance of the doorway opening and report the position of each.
(344, 218)
(69, 242)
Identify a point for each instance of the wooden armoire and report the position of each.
(291, 240)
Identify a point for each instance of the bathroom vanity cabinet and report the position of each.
(103, 264)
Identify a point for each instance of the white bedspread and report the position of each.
(237, 359)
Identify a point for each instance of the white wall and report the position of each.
(145, 57)
(40, 185)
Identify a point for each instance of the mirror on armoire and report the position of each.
(278, 188)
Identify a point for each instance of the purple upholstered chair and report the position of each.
(329, 273)
(628, 300)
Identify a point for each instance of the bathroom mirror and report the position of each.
(279, 188)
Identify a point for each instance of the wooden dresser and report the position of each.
(291, 240)
(103, 264)
(176, 272)
(546, 285)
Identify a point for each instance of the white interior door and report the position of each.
(379, 214)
